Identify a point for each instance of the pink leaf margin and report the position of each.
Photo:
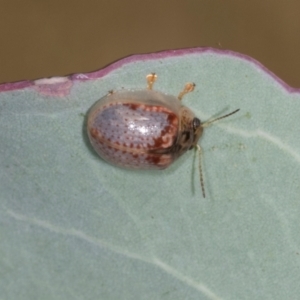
(52, 86)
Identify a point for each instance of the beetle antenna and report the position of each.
(151, 78)
(206, 124)
(199, 149)
(189, 87)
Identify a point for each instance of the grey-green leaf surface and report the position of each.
(74, 227)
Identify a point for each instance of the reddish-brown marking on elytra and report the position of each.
(132, 106)
(172, 119)
(153, 159)
(169, 134)
(158, 142)
(153, 108)
(94, 133)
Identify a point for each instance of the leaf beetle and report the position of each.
(145, 129)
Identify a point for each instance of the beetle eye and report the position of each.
(196, 123)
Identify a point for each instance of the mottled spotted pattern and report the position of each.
(135, 135)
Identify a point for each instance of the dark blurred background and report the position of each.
(41, 38)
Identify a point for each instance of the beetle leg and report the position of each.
(189, 87)
(151, 78)
(199, 149)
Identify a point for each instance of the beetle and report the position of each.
(145, 129)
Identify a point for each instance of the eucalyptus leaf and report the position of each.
(75, 227)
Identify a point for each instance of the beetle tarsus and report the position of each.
(189, 87)
(151, 78)
(199, 149)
